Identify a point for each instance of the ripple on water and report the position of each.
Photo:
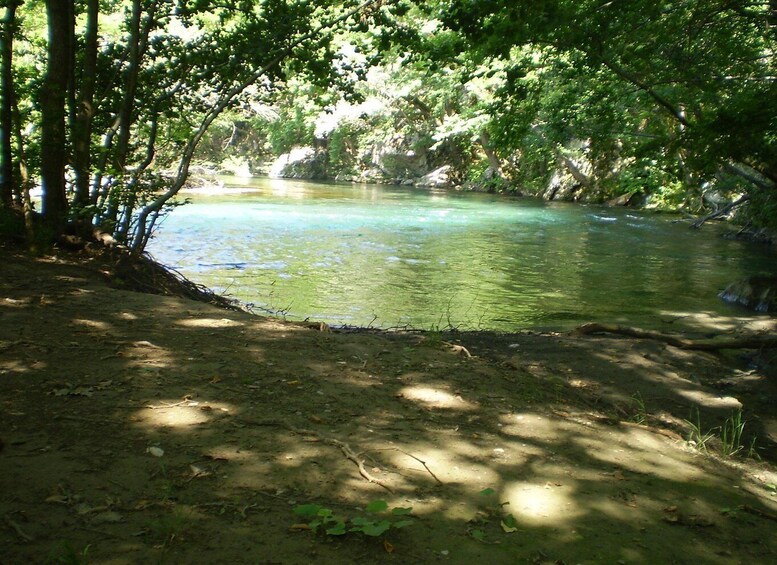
(344, 252)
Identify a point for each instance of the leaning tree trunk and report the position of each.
(52, 104)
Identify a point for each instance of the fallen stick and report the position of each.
(18, 529)
(715, 344)
(349, 454)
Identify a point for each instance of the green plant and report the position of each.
(433, 337)
(696, 437)
(376, 521)
(640, 411)
(170, 527)
(64, 552)
(731, 435)
(493, 509)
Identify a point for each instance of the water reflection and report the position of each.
(389, 256)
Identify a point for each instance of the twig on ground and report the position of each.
(439, 482)
(18, 529)
(349, 454)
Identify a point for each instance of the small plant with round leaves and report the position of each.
(375, 522)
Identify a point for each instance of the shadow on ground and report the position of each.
(143, 428)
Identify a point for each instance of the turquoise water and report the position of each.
(390, 256)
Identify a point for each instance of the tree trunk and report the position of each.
(85, 111)
(6, 109)
(52, 104)
(493, 160)
(136, 46)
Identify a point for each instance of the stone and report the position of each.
(438, 178)
(757, 293)
(299, 163)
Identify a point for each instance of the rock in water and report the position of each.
(758, 293)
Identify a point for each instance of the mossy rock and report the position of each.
(757, 293)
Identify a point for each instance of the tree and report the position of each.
(6, 105)
(124, 108)
(52, 104)
(683, 82)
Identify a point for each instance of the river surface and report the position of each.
(384, 256)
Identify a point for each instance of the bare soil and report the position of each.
(142, 428)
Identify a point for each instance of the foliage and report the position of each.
(696, 437)
(167, 70)
(659, 99)
(63, 552)
(493, 510)
(376, 521)
(619, 76)
(730, 434)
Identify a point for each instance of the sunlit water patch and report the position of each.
(389, 256)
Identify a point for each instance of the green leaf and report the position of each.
(376, 528)
(510, 521)
(324, 513)
(377, 506)
(401, 511)
(402, 523)
(479, 535)
(487, 491)
(509, 525)
(336, 530)
(309, 510)
(360, 521)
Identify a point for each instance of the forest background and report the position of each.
(108, 105)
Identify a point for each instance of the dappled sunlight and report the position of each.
(532, 426)
(624, 508)
(209, 323)
(9, 302)
(436, 398)
(144, 354)
(182, 420)
(538, 504)
(711, 321)
(710, 399)
(92, 324)
(127, 316)
(180, 415)
(18, 366)
(641, 452)
(457, 462)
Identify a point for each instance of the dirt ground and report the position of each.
(140, 428)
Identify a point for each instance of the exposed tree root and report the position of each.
(458, 348)
(715, 344)
(142, 274)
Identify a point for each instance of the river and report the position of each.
(386, 256)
